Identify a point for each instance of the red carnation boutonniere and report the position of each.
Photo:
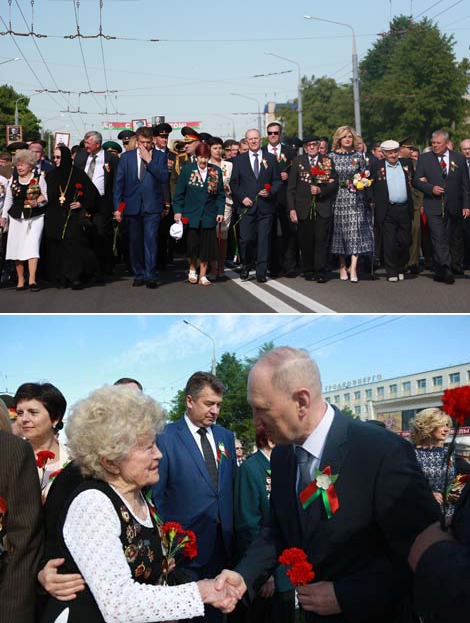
(222, 452)
(176, 540)
(322, 486)
(107, 167)
(301, 570)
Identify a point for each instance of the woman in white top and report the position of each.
(24, 207)
(40, 408)
(110, 531)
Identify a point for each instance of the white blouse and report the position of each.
(92, 534)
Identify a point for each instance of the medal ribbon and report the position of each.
(328, 496)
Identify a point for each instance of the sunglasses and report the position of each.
(56, 157)
(275, 133)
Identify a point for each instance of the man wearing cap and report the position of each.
(161, 132)
(100, 166)
(138, 197)
(393, 201)
(191, 140)
(255, 181)
(125, 136)
(309, 199)
(284, 246)
(442, 176)
(113, 147)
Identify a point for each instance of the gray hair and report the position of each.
(108, 423)
(442, 133)
(292, 368)
(253, 130)
(96, 136)
(25, 157)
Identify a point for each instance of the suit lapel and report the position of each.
(193, 450)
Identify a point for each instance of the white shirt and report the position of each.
(252, 158)
(278, 150)
(446, 159)
(203, 174)
(315, 443)
(98, 174)
(193, 428)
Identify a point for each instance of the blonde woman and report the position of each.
(430, 428)
(23, 211)
(352, 218)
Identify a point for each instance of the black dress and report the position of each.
(69, 233)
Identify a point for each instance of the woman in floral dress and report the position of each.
(352, 218)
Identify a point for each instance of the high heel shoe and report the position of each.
(343, 275)
(354, 279)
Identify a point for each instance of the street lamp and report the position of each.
(357, 106)
(213, 365)
(299, 88)
(10, 60)
(253, 99)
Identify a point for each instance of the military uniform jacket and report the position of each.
(299, 197)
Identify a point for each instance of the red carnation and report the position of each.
(190, 548)
(3, 505)
(172, 526)
(185, 220)
(268, 187)
(33, 181)
(78, 185)
(292, 556)
(456, 403)
(121, 206)
(42, 457)
(301, 573)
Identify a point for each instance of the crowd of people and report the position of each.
(135, 519)
(238, 204)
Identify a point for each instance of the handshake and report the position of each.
(224, 591)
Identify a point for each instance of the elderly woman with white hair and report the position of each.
(429, 430)
(23, 211)
(110, 533)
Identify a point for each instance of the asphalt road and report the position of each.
(417, 294)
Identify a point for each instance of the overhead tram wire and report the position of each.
(102, 56)
(448, 9)
(44, 60)
(29, 66)
(428, 9)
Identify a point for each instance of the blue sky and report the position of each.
(207, 52)
(81, 353)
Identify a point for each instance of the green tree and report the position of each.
(412, 84)
(326, 106)
(27, 119)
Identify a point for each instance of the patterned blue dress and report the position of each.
(352, 219)
(432, 461)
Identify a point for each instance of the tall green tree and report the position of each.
(326, 106)
(27, 119)
(412, 84)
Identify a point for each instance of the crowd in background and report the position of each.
(318, 207)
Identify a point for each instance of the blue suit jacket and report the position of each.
(185, 492)
(140, 196)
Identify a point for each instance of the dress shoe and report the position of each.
(261, 279)
(321, 279)
(34, 287)
(244, 274)
(77, 285)
(137, 283)
(457, 271)
(291, 274)
(446, 277)
(152, 284)
(309, 277)
(413, 270)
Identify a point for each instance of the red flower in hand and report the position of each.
(190, 548)
(3, 505)
(301, 571)
(185, 220)
(268, 187)
(42, 457)
(456, 403)
(121, 206)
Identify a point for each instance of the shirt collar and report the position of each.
(316, 441)
(194, 427)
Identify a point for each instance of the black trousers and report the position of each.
(314, 236)
(396, 239)
(447, 240)
(255, 238)
(283, 256)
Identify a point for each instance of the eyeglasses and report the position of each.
(57, 157)
(238, 447)
(275, 133)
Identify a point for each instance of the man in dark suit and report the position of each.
(255, 181)
(441, 562)
(309, 200)
(43, 166)
(284, 249)
(352, 496)
(197, 474)
(138, 197)
(442, 176)
(392, 196)
(100, 166)
(21, 529)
